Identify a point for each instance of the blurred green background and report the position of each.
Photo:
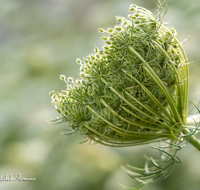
(41, 39)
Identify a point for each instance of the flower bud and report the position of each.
(96, 50)
(101, 30)
(70, 79)
(78, 61)
(62, 77)
(51, 93)
(104, 38)
(110, 30)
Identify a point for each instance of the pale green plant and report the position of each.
(133, 92)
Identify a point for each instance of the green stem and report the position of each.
(193, 120)
(195, 142)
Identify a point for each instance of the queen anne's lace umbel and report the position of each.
(131, 91)
(134, 91)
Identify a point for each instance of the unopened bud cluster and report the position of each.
(117, 102)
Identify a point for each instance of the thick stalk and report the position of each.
(193, 120)
(195, 142)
